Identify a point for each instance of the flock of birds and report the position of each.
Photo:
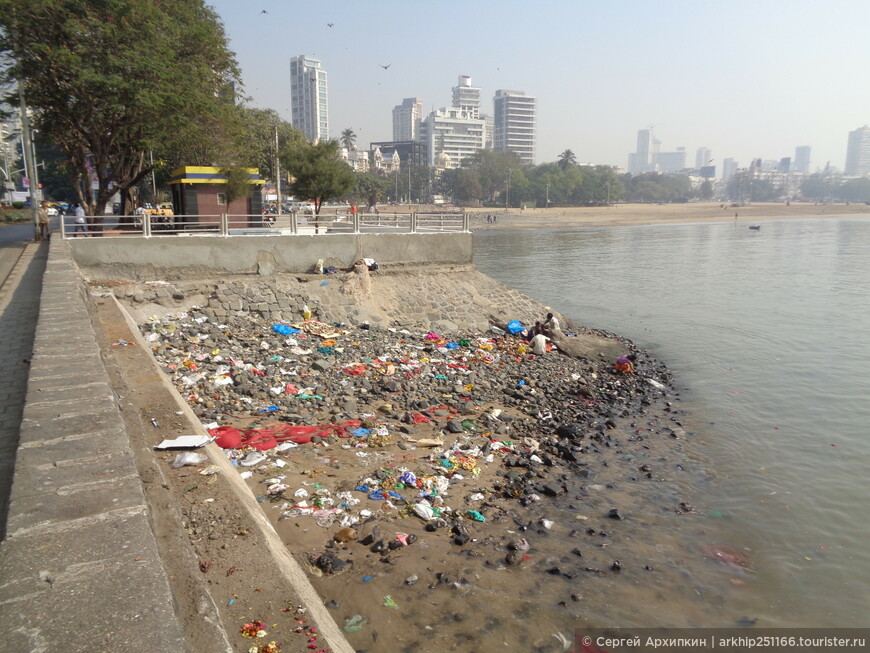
(387, 67)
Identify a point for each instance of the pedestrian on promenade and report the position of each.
(44, 226)
(80, 222)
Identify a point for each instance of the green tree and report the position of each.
(348, 139)
(854, 190)
(817, 186)
(493, 169)
(318, 173)
(257, 145)
(370, 188)
(110, 81)
(567, 159)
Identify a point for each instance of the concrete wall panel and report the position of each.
(240, 254)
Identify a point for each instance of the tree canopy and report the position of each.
(318, 172)
(108, 81)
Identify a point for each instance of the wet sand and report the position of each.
(629, 215)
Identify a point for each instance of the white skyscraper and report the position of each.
(406, 119)
(453, 132)
(514, 129)
(642, 160)
(858, 152)
(802, 158)
(308, 98)
(467, 97)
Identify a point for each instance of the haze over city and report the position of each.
(744, 79)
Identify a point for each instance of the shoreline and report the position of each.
(630, 215)
(552, 501)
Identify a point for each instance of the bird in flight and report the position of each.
(330, 24)
(385, 67)
(264, 12)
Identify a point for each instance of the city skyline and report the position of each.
(746, 81)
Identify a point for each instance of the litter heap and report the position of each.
(480, 406)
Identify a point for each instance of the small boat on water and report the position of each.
(757, 227)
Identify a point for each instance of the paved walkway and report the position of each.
(79, 568)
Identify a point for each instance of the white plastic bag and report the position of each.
(188, 458)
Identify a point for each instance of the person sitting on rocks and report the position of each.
(535, 330)
(539, 344)
(625, 364)
(552, 323)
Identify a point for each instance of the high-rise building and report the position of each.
(515, 124)
(308, 98)
(670, 161)
(702, 157)
(467, 97)
(802, 158)
(406, 119)
(729, 167)
(642, 159)
(858, 152)
(451, 135)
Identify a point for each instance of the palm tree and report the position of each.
(567, 159)
(348, 139)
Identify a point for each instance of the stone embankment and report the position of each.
(443, 299)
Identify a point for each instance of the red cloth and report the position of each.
(268, 438)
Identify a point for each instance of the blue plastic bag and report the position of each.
(283, 329)
(514, 326)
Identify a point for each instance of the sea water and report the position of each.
(768, 333)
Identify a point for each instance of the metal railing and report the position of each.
(287, 224)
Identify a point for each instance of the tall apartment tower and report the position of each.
(514, 126)
(858, 152)
(642, 159)
(729, 167)
(467, 97)
(406, 119)
(801, 158)
(702, 157)
(308, 98)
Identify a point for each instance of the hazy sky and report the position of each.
(747, 79)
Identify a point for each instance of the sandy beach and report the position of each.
(627, 215)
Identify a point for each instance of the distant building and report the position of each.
(729, 167)
(642, 160)
(802, 158)
(784, 164)
(413, 152)
(858, 152)
(453, 132)
(309, 98)
(514, 128)
(467, 97)
(407, 118)
(670, 161)
(702, 157)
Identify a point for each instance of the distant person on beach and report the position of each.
(625, 364)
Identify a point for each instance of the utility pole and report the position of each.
(507, 199)
(277, 171)
(29, 163)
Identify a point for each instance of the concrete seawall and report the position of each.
(265, 254)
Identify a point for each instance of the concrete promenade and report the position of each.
(79, 566)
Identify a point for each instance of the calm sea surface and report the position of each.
(768, 332)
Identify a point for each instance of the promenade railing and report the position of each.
(286, 224)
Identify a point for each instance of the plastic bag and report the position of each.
(188, 458)
(514, 327)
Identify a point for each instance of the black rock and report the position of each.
(614, 514)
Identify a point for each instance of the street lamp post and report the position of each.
(507, 200)
(548, 196)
